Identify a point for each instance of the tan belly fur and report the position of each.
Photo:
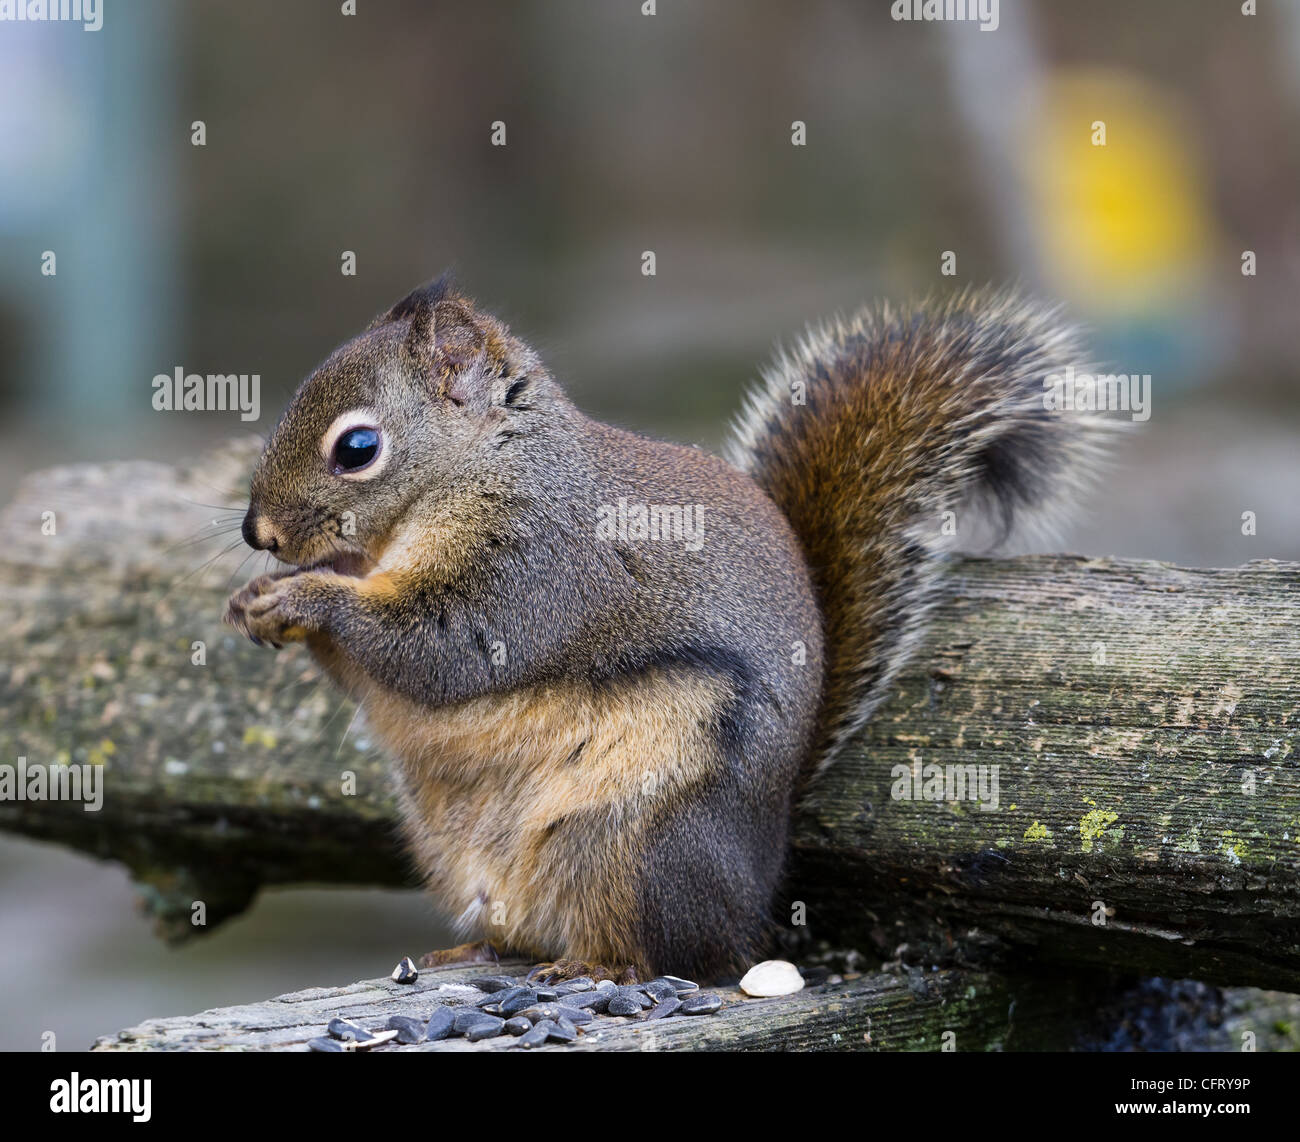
(525, 811)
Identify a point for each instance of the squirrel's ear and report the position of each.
(445, 337)
(423, 297)
(457, 348)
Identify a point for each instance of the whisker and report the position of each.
(235, 573)
(232, 509)
(328, 722)
(310, 679)
(196, 538)
(346, 730)
(239, 494)
(200, 568)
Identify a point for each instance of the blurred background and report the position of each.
(325, 133)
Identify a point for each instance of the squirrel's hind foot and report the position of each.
(560, 970)
(479, 952)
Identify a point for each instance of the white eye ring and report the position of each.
(344, 423)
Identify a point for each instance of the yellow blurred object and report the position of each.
(1124, 225)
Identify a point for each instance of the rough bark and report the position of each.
(1143, 719)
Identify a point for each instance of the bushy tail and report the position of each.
(870, 430)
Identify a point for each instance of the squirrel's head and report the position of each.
(405, 411)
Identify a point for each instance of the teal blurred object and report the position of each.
(88, 136)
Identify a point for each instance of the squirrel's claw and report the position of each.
(478, 952)
(259, 610)
(560, 970)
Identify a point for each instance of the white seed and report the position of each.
(772, 977)
(376, 1037)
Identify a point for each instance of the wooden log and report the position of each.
(1143, 723)
(1141, 718)
(895, 1010)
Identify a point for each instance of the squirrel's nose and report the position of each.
(258, 534)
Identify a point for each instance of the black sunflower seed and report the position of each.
(703, 1004)
(345, 1029)
(538, 1035)
(624, 1005)
(575, 1015)
(408, 1030)
(682, 985)
(526, 997)
(517, 1026)
(664, 1008)
(539, 1011)
(562, 1031)
(440, 1024)
(321, 1043)
(637, 996)
(491, 982)
(487, 1028)
(497, 997)
(471, 1017)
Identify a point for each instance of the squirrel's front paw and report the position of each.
(268, 610)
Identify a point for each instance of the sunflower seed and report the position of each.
(538, 1035)
(321, 1043)
(487, 1028)
(491, 982)
(471, 1017)
(702, 1004)
(526, 997)
(682, 985)
(664, 1008)
(517, 1026)
(376, 1039)
(440, 1024)
(562, 1031)
(556, 1011)
(408, 1030)
(405, 972)
(496, 997)
(659, 989)
(538, 1012)
(637, 996)
(345, 1029)
(624, 1005)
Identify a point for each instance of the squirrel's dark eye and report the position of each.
(355, 449)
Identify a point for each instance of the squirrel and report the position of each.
(600, 727)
